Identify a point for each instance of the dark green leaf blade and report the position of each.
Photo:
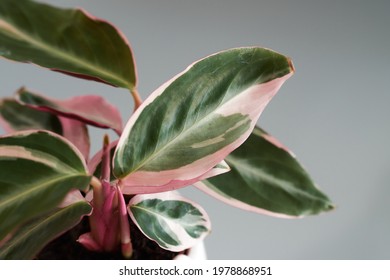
(265, 177)
(65, 40)
(37, 170)
(33, 236)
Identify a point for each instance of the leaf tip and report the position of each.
(291, 64)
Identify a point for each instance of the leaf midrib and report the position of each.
(62, 54)
(287, 186)
(180, 135)
(37, 188)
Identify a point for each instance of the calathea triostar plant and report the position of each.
(199, 129)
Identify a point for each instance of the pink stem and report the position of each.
(109, 221)
(137, 99)
(106, 170)
(127, 247)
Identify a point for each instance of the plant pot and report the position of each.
(196, 253)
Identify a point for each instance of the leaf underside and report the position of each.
(89, 109)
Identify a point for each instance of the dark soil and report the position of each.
(65, 247)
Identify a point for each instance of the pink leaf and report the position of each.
(72, 197)
(77, 133)
(90, 109)
(89, 242)
(174, 184)
(97, 158)
(4, 124)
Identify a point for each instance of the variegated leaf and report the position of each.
(37, 171)
(90, 109)
(174, 222)
(192, 122)
(94, 166)
(65, 40)
(34, 235)
(16, 117)
(266, 178)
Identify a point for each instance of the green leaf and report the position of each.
(33, 236)
(65, 40)
(266, 178)
(37, 170)
(15, 117)
(191, 123)
(174, 222)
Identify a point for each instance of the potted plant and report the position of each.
(199, 128)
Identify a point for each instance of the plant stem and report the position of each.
(137, 98)
(127, 247)
(97, 188)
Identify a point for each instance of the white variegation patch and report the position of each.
(208, 142)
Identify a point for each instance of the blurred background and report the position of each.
(332, 113)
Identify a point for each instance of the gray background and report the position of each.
(332, 113)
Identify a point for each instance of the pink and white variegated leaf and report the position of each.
(220, 168)
(89, 109)
(94, 166)
(38, 170)
(88, 47)
(169, 219)
(192, 122)
(31, 237)
(266, 178)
